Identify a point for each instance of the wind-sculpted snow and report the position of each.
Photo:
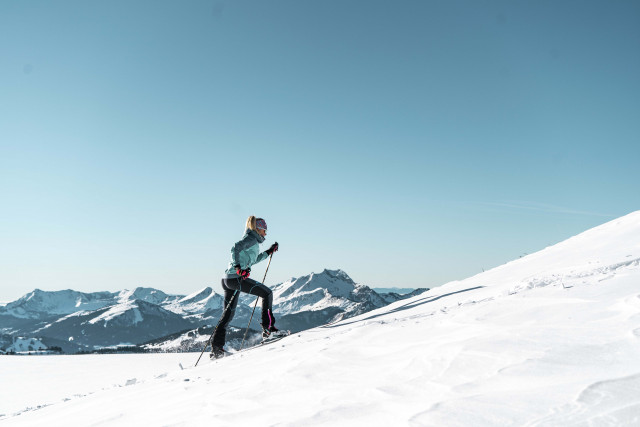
(550, 339)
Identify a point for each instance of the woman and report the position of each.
(244, 254)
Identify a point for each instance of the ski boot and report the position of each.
(273, 333)
(217, 352)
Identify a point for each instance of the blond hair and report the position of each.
(251, 223)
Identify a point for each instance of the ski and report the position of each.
(219, 354)
(275, 336)
(267, 341)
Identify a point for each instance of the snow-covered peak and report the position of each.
(198, 302)
(128, 307)
(197, 296)
(154, 296)
(130, 312)
(328, 290)
(33, 304)
(336, 282)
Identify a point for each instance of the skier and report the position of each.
(244, 254)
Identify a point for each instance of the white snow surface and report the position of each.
(549, 339)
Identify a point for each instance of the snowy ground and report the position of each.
(549, 339)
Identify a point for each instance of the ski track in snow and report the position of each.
(549, 339)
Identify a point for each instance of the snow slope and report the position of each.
(549, 339)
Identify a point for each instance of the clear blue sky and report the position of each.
(409, 143)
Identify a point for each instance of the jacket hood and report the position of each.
(255, 234)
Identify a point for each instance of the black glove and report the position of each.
(272, 249)
(244, 274)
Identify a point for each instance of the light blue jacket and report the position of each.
(245, 253)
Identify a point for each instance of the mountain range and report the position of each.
(76, 321)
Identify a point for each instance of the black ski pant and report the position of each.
(232, 289)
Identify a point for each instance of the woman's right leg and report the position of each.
(219, 337)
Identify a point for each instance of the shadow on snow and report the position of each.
(407, 306)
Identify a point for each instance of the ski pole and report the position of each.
(256, 304)
(216, 328)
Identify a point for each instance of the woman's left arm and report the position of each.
(264, 255)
